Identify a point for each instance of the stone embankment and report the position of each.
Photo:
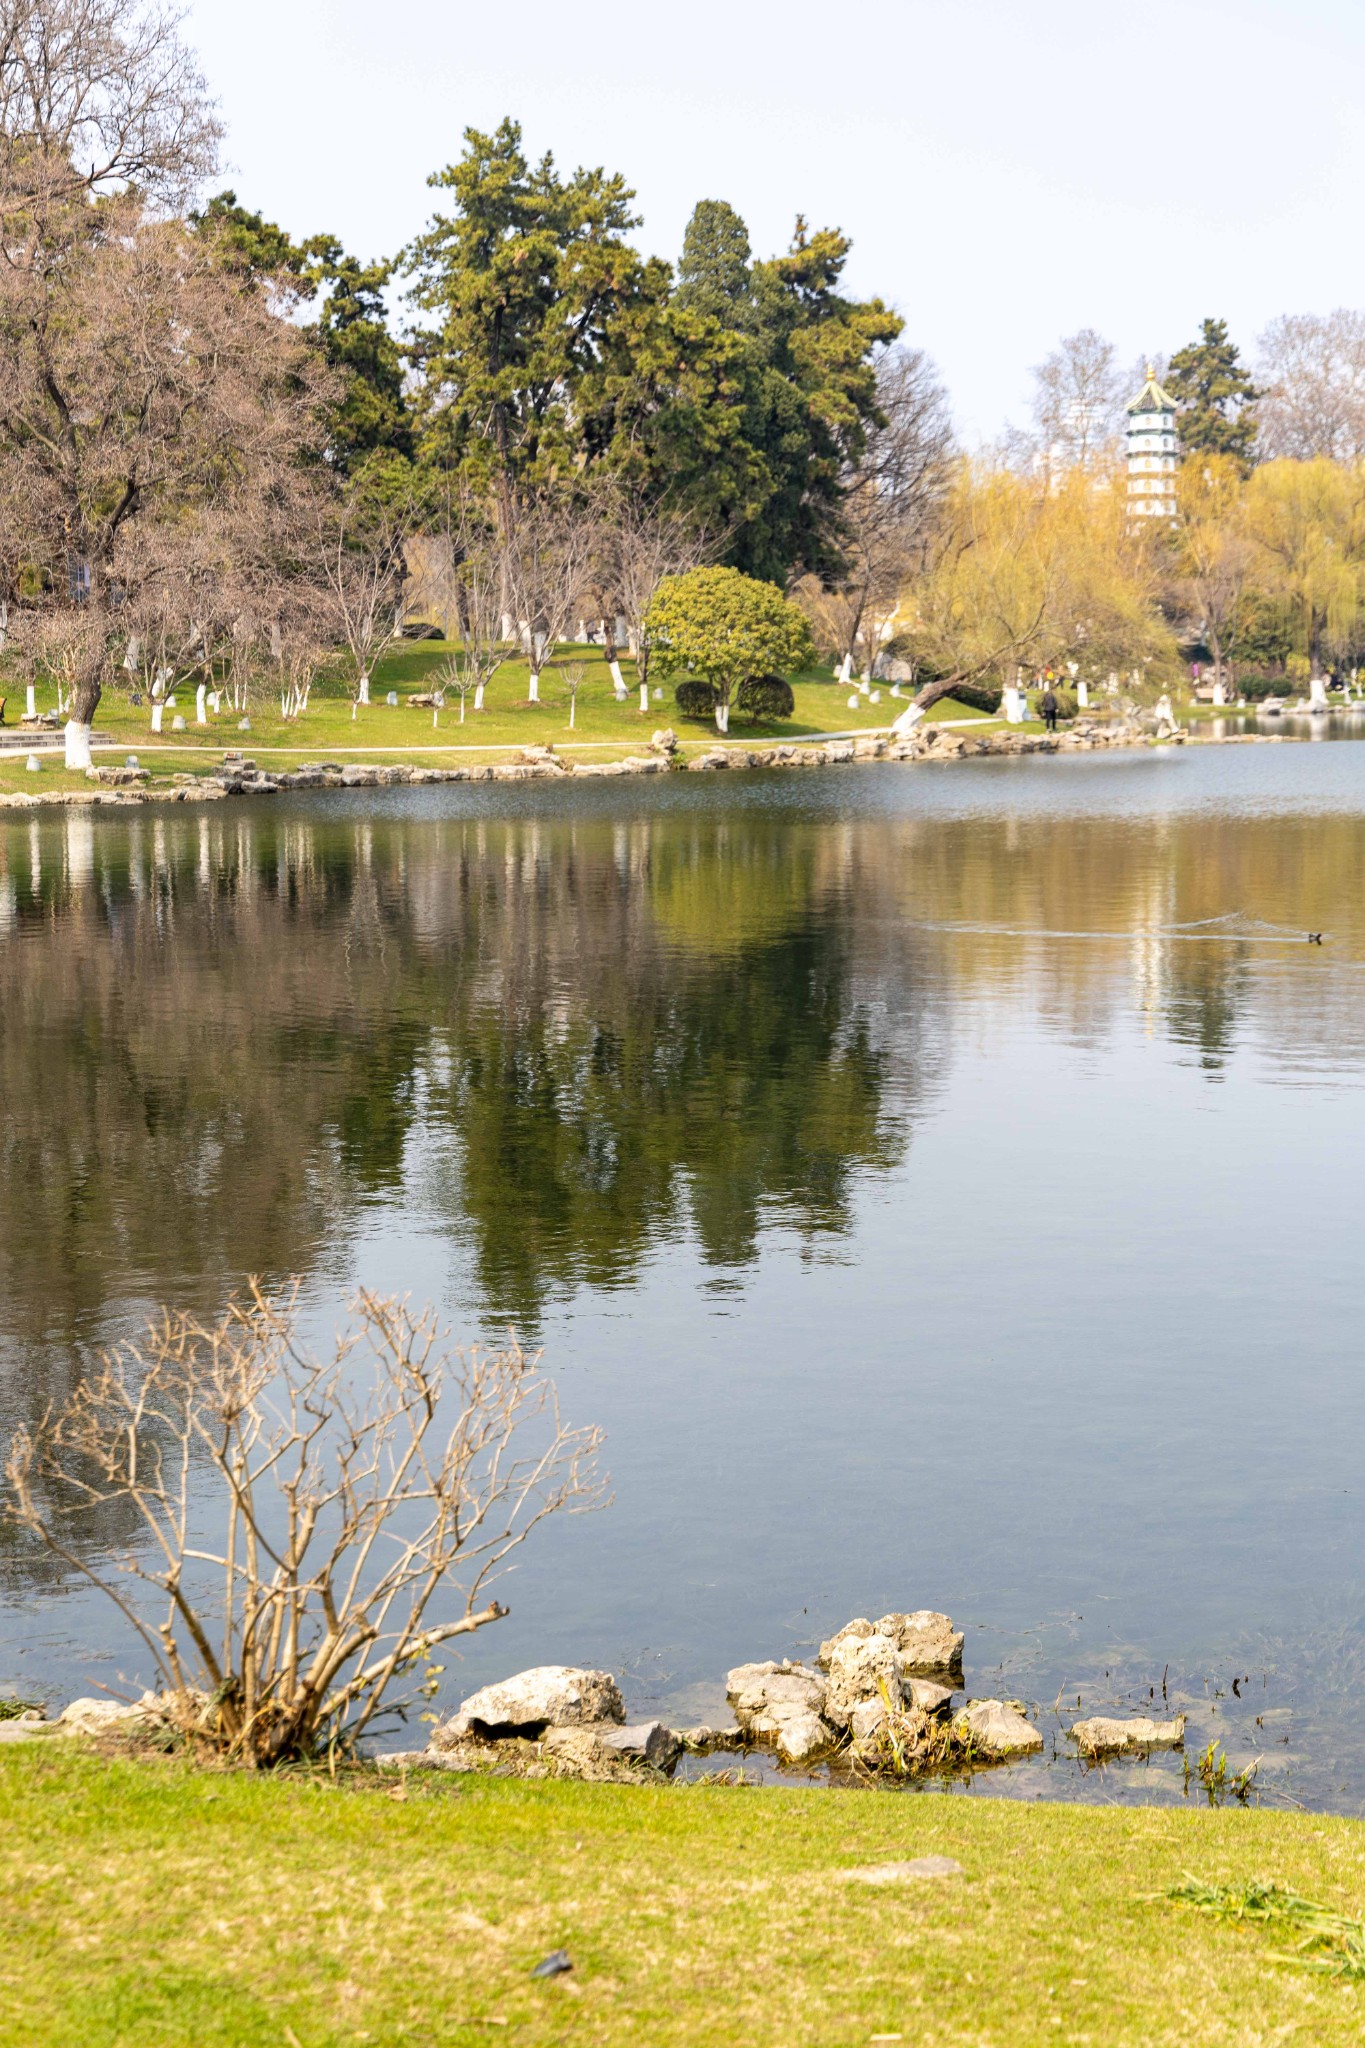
(239, 776)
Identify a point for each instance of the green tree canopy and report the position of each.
(721, 627)
(521, 282)
(1215, 397)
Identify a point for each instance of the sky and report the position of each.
(1008, 170)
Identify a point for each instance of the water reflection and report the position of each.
(883, 1158)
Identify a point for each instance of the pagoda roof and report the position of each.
(1153, 397)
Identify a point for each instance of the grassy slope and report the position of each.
(146, 1905)
(379, 730)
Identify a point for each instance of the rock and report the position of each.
(1099, 1735)
(701, 1741)
(647, 1742)
(554, 1965)
(355, 776)
(118, 776)
(766, 1693)
(29, 1726)
(994, 1728)
(837, 750)
(548, 1696)
(801, 1737)
(865, 1719)
(926, 1640)
(718, 758)
(108, 1717)
(665, 742)
(928, 1697)
(899, 1873)
(862, 1668)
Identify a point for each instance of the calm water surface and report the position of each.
(943, 1185)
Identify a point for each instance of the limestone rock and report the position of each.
(547, 1696)
(862, 1668)
(837, 750)
(928, 1697)
(701, 1740)
(865, 1720)
(647, 1742)
(996, 1729)
(926, 1640)
(1100, 1735)
(764, 1694)
(111, 1717)
(801, 1737)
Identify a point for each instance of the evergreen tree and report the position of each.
(522, 282)
(713, 277)
(1215, 397)
(372, 424)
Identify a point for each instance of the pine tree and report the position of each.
(1215, 397)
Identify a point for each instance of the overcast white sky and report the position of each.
(1009, 170)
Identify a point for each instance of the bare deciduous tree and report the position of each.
(309, 1530)
(890, 502)
(360, 547)
(141, 381)
(1311, 370)
(1078, 398)
(97, 94)
(640, 543)
(547, 538)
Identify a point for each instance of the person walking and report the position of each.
(1050, 708)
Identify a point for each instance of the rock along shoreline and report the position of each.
(876, 1705)
(240, 775)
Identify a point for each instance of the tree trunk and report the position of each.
(644, 698)
(158, 706)
(533, 690)
(478, 696)
(200, 701)
(84, 704)
(31, 696)
(723, 717)
(363, 693)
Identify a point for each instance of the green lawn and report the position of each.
(328, 727)
(146, 1905)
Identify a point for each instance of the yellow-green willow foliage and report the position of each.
(1027, 573)
(1306, 523)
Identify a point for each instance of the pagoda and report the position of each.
(1152, 452)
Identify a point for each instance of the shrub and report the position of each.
(1254, 688)
(978, 696)
(1067, 706)
(694, 698)
(312, 1529)
(765, 697)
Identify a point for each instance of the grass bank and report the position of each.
(147, 1905)
(510, 719)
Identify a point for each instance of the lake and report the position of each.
(940, 1183)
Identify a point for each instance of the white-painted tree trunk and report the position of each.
(846, 670)
(157, 708)
(363, 693)
(644, 696)
(618, 681)
(722, 718)
(77, 745)
(478, 696)
(1083, 695)
(908, 720)
(534, 691)
(31, 708)
(201, 698)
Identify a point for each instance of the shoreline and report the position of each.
(113, 787)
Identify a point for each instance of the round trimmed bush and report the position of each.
(694, 698)
(765, 697)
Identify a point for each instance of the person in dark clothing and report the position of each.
(1050, 708)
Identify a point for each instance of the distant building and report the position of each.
(1152, 454)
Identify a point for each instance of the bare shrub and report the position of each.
(306, 1526)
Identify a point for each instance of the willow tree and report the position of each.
(1307, 524)
(1021, 574)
